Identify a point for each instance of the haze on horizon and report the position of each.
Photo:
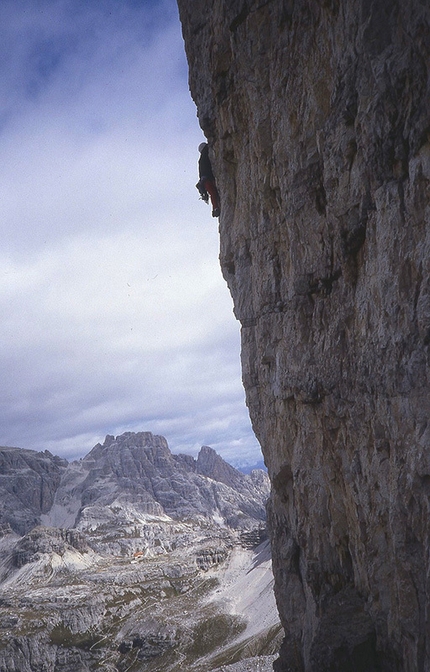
(114, 314)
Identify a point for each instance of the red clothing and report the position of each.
(210, 187)
(206, 184)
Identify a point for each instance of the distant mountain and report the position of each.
(248, 468)
(132, 559)
(136, 471)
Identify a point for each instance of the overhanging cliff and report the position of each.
(318, 116)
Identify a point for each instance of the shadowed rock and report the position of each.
(317, 117)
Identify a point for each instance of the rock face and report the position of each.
(28, 482)
(317, 115)
(47, 541)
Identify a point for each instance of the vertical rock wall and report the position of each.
(318, 117)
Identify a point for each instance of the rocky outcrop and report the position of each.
(47, 540)
(253, 538)
(151, 641)
(210, 464)
(210, 557)
(28, 482)
(318, 120)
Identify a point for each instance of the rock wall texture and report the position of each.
(318, 117)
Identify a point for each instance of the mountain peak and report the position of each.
(212, 465)
(137, 475)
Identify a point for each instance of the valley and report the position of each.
(139, 563)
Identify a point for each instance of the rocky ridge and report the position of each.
(134, 474)
(317, 116)
(121, 561)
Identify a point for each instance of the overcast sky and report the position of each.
(113, 312)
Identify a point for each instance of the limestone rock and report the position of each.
(48, 540)
(151, 640)
(317, 115)
(124, 566)
(210, 464)
(137, 471)
(64, 610)
(28, 482)
(129, 480)
(210, 557)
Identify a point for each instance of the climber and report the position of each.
(206, 184)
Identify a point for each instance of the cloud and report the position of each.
(113, 313)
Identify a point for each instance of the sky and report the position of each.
(114, 315)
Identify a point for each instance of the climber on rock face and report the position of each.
(206, 184)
